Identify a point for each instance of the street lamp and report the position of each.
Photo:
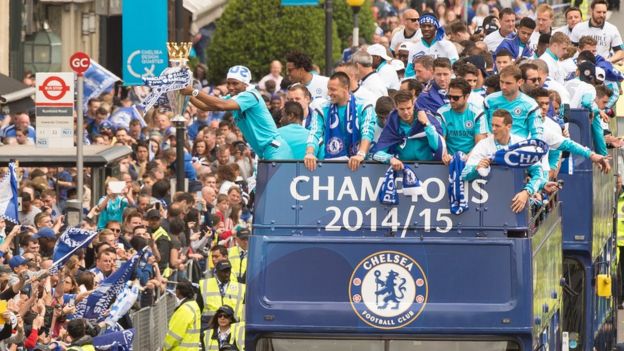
(356, 5)
(42, 53)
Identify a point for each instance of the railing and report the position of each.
(151, 323)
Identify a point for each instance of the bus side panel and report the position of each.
(473, 285)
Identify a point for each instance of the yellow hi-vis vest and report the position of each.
(184, 328)
(237, 336)
(160, 232)
(234, 296)
(239, 267)
(620, 221)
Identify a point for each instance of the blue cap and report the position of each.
(45, 232)
(17, 261)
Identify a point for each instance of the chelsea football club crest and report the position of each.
(517, 111)
(335, 146)
(388, 290)
(468, 124)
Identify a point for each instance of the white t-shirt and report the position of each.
(442, 48)
(577, 89)
(563, 29)
(374, 84)
(400, 37)
(476, 99)
(493, 40)
(389, 76)
(608, 36)
(318, 86)
(365, 95)
(555, 69)
(550, 84)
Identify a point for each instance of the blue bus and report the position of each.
(330, 268)
(589, 247)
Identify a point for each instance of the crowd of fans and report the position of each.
(429, 86)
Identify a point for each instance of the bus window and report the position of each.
(319, 345)
(454, 345)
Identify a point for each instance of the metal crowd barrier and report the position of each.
(151, 323)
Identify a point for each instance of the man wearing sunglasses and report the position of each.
(463, 124)
(411, 31)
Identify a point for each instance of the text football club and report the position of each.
(388, 290)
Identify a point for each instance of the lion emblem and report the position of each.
(389, 288)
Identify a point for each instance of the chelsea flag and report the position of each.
(8, 195)
(144, 40)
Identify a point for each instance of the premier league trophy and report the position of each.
(181, 76)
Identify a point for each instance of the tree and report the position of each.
(255, 32)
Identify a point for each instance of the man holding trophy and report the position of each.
(250, 114)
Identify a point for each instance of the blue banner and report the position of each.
(97, 80)
(99, 301)
(68, 243)
(115, 341)
(8, 195)
(144, 40)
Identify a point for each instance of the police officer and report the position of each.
(224, 330)
(238, 255)
(185, 323)
(220, 290)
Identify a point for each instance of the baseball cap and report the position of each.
(17, 261)
(223, 265)
(45, 232)
(398, 65)
(479, 62)
(600, 74)
(378, 50)
(152, 214)
(587, 71)
(490, 28)
(243, 233)
(240, 73)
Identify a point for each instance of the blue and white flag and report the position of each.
(99, 301)
(8, 195)
(97, 80)
(124, 115)
(123, 303)
(72, 240)
(171, 79)
(115, 341)
(522, 154)
(457, 197)
(388, 195)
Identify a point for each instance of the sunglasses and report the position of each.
(116, 230)
(221, 315)
(535, 80)
(414, 19)
(455, 97)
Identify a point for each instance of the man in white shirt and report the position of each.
(299, 69)
(381, 64)
(411, 31)
(573, 17)
(274, 75)
(543, 80)
(360, 92)
(545, 17)
(507, 26)
(365, 74)
(432, 42)
(557, 49)
(607, 35)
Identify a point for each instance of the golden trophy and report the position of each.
(178, 59)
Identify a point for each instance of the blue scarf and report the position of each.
(457, 197)
(388, 194)
(335, 137)
(611, 73)
(512, 155)
(392, 135)
(432, 98)
(429, 18)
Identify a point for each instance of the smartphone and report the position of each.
(116, 187)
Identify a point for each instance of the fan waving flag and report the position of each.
(68, 243)
(99, 301)
(8, 195)
(522, 154)
(115, 341)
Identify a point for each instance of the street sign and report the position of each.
(300, 2)
(54, 109)
(80, 62)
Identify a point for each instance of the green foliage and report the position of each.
(343, 19)
(255, 32)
